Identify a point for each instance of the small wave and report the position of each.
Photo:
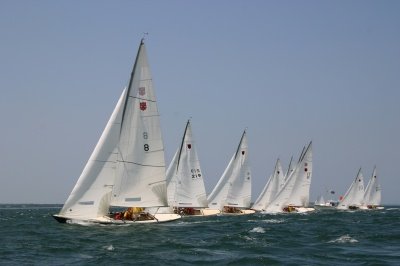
(248, 238)
(344, 239)
(109, 248)
(257, 230)
(392, 209)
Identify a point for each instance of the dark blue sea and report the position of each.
(30, 236)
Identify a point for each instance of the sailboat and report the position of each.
(294, 194)
(354, 196)
(232, 194)
(185, 180)
(271, 189)
(321, 203)
(372, 195)
(127, 167)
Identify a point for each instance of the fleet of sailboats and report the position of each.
(125, 182)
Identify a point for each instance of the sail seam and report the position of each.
(142, 99)
(142, 164)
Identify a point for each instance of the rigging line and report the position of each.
(147, 165)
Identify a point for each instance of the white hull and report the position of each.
(372, 208)
(158, 218)
(219, 212)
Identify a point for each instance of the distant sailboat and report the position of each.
(321, 203)
(294, 195)
(372, 195)
(354, 196)
(232, 194)
(271, 189)
(185, 180)
(126, 168)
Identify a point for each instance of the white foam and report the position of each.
(344, 239)
(109, 248)
(257, 230)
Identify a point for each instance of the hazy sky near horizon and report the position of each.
(289, 71)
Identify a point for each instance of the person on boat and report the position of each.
(118, 216)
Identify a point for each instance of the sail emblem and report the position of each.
(243, 152)
(189, 146)
(142, 91)
(143, 106)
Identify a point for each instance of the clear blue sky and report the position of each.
(289, 71)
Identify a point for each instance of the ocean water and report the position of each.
(30, 236)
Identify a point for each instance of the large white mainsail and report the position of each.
(140, 174)
(355, 194)
(372, 195)
(185, 181)
(271, 189)
(296, 190)
(234, 187)
(91, 195)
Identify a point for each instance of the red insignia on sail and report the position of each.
(143, 106)
(142, 91)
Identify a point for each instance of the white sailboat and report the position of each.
(271, 189)
(321, 203)
(354, 196)
(185, 180)
(372, 195)
(232, 194)
(126, 168)
(294, 195)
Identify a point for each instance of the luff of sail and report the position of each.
(140, 174)
(185, 181)
(234, 187)
(91, 195)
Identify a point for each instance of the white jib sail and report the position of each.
(355, 194)
(234, 187)
(91, 195)
(271, 189)
(372, 195)
(185, 181)
(140, 174)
